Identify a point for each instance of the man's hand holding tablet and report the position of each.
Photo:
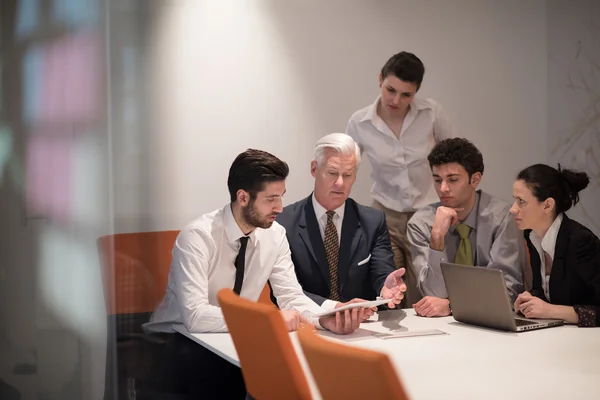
(368, 307)
(347, 317)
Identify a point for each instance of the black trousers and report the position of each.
(183, 369)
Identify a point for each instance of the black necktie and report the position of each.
(240, 262)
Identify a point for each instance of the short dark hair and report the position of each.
(457, 150)
(404, 66)
(252, 169)
(563, 185)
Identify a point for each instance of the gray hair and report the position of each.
(338, 142)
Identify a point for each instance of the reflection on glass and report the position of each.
(70, 83)
(32, 75)
(76, 13)
(27, 16)
(6, 144)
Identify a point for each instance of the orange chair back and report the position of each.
(265, 296)
(345, 372)
(269, 362)
(135, 269)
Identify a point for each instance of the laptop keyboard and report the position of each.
(522, 322)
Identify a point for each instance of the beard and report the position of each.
(254, 218)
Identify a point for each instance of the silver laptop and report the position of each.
(478, 296)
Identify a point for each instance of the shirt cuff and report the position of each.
(313, 320)
(329, 305)
(586, 316)
(436, 258)
(317, 325)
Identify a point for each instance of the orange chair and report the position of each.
(265, 296)
(135, 268)
(269, 362)
(345, 372)
(135, 271)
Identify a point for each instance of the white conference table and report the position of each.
(468, 362)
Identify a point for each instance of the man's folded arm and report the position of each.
(427, 262)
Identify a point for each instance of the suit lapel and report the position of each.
(351, 235)
(311, 236)
(534, 263)
(558, 264)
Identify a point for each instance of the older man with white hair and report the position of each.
(340, 249)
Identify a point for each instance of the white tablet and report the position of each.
(364, 304)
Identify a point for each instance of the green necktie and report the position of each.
(464, 255)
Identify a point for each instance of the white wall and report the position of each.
(574, 97)
(277, 75)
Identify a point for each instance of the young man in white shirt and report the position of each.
(239, 246)
(397, 132)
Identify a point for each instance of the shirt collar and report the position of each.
(371, 111)
(549, 239)
(320, 210)
(416, 105)
(471, 220)
(232, 229)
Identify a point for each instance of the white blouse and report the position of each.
(547, 244)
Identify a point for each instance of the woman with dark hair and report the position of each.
(397, 132)
(564, 255)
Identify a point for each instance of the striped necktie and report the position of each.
(332, 251)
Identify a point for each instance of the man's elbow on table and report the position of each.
(200, 322)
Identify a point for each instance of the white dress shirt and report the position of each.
(203, 263)
(321, 214)
(400, 171)
(547, 244)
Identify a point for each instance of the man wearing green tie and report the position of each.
(467, 226)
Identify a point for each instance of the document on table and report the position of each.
(363, 304)
(393, 335)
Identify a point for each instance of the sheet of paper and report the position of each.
(365, 304)
(393, 335)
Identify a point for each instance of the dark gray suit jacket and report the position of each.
(365, 240)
